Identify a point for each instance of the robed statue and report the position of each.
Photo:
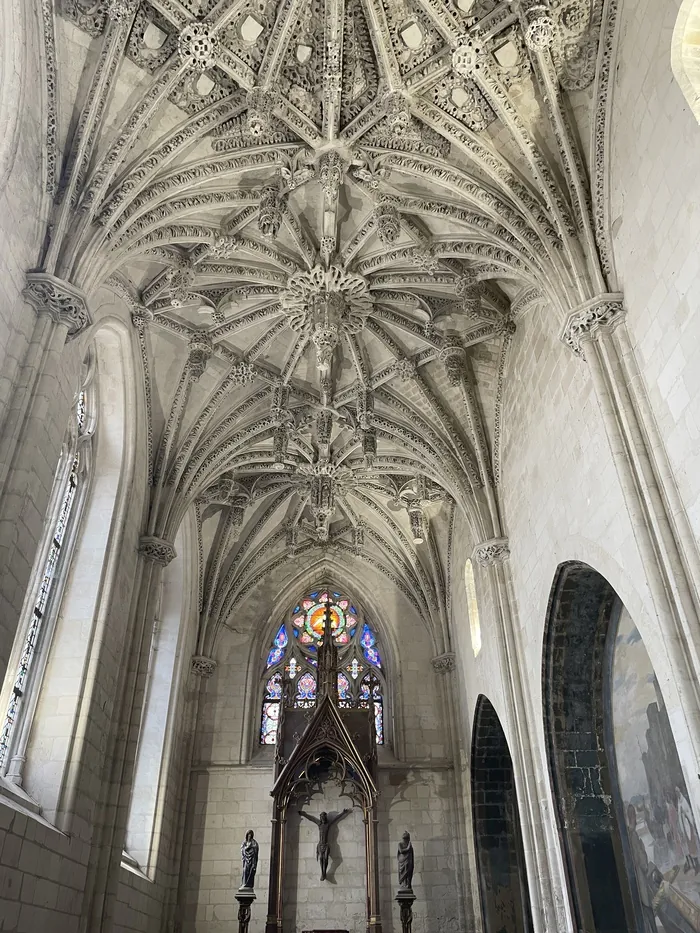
(324, 823)
(249, 857)
(405, 857)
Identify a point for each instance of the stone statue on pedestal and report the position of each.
(249, 857)
(323, 850)
(405, 858)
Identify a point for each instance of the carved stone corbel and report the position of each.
(203, 666)
(156, 549)
(444, 663)
(585, 323)
(493, 551)
(64, 302)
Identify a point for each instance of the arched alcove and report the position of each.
(582, 608)
(505, 902)
(685, 53)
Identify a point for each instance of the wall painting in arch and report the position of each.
(662, 833)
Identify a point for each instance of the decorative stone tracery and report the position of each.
(62, 301)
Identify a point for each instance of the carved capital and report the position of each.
(203, 666)
(590, 320)
(444, 663)
(156, 549)
(64, 302)
(493, 551)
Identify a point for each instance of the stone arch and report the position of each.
(685, 53)
(505, 901)
(86, 631)
(583, 607)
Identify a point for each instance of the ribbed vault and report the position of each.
(325, 218)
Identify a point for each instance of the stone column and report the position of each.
(445, 665)
(542, 871)
(32, 432)
(102, 885)
(201, 669)
(596, 331)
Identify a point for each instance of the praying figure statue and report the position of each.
(405, 857)
(323, 849)
(249, 857)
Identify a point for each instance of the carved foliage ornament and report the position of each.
(198, 47)
(588, 321)
(156, 549)
(200, 351)
(203, 666)
(493, 551)
(305, 290)
(61, 300)
(444, 663)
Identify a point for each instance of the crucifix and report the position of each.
(324, 823)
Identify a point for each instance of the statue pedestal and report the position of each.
(405, 899)
(245, 898)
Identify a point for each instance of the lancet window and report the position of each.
(292, 661)
(53, 560)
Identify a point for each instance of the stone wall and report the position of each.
(655, 187)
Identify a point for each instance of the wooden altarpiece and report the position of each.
(328, 743)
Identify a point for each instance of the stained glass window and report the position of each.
(271, 710)
(305, 696)
(293, 656)
(54, 561)
(371, 691)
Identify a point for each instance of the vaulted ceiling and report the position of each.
(326, 216)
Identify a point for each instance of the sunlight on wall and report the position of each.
(472, 608)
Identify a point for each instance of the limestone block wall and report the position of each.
(655, 188)
(228, 801)
(339, 902)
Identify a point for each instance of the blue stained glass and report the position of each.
(311, 648)
(281, 637)
(367, 639)
(273, 688)
(352, 631)
(343, 687)
(296, 609)
(275, 656)
(313, 662)
(379, 722)
(306, 691)
(313, 595)
(337, 595)
(372, 656)
(353, 610)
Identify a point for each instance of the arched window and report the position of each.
(472, 607)
(685, 53)
(292, 660)
(50, 573)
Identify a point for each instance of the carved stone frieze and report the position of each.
(64, 302)
(493, 551)
(156, 549)
(587, 322)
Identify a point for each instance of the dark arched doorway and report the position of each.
(583, 610)
(505, 902)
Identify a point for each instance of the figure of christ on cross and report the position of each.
(324, 824)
